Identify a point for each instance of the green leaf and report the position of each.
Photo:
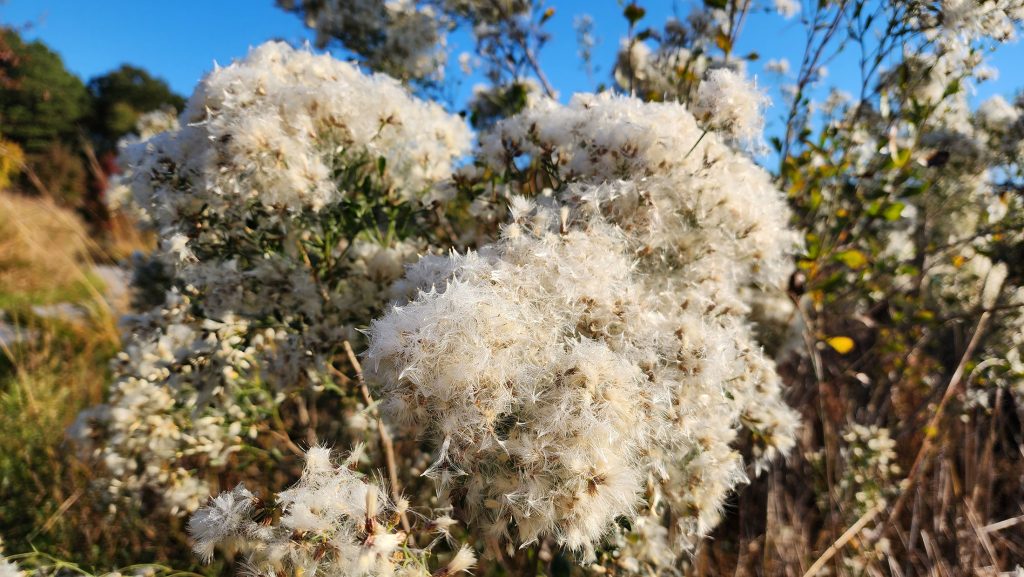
(813, 244)
(893, 211)
(852, 258)
(902, 158)
(874, 208)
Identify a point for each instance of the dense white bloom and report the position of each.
(171, 400)
(493, 348)
(8, 568)
(276, 126)
(332, 522)
(599, 345)
(957, 23)
(633, 68)
(259, 198)
(658, 149)
(222, 518)
(118, 195)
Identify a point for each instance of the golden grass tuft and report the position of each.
(42, 248)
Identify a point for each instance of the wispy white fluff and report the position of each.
(274, 126)
(729, 103)
(332, 522)
(601, 340)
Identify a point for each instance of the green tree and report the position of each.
(120, 96)
(41, 101)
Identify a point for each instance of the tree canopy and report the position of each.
(40, 101)
(120, 97)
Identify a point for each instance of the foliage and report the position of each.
(12, 157)
(120, 97)
(41, 102)
(591, 335)
(60, 174)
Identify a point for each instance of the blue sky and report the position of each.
(179, 40)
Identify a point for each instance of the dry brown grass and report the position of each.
(42, 246)
(53, 369)
(962, 514)
(123, 237)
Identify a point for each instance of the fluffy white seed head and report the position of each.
(729, 103)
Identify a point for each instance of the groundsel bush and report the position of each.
(908, 294)
(903, 319)
(561, 318)
(585, 379)
(595, 362)
(332, 521)
(281, 203)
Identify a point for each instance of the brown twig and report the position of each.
(312, 271)
(844, 539)
(385, 437)
(1004, 524)
(295, 449)
(931, 430)
(544, 82)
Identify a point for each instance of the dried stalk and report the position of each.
(385, 437)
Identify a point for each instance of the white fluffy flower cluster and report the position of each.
(957, 32)
(961, 22)
(542, 421)
(597, 355)
(687, 56)
(188, 390)
(729, 103)
(277, 128)
(118, 195)
(1002, 128)
(730, 209)
(8, 568)
(869, 454)
(332, 522)
(277, 200)
(271, 149)
(669, 71)
(175, 402)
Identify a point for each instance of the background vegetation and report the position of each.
(898, 337)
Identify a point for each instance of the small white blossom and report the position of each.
(729, 103)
